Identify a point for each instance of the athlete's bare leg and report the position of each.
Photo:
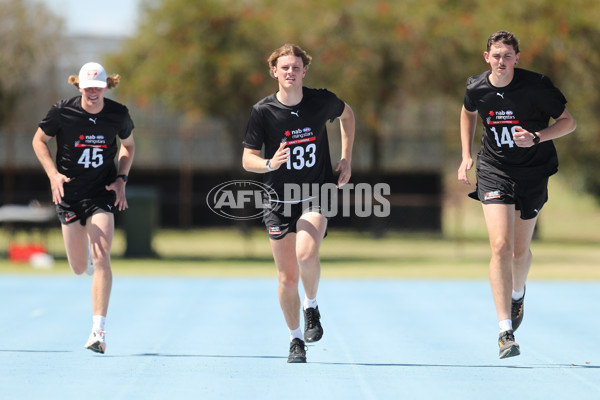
(311, 229)
(524, 229)
(500, 223)
(288, 273)
(100, 231)
(76, 246)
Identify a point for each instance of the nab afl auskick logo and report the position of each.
(241, 199)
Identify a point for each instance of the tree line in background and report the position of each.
(208, 59)
(30, 38)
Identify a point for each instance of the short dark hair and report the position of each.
(505, 37)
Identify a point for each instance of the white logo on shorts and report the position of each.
(495, 194)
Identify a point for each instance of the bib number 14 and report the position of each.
(91, 157)
(505, 137)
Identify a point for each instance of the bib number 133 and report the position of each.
(301, 157)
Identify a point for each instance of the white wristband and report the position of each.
(269, 165)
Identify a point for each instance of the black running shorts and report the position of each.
(527, 194)
(282, 218)
(81, 210)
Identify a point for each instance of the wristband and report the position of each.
(536, 138)
(269, 165)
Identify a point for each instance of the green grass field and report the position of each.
(568, 248)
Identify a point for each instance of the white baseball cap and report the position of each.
(92, 75)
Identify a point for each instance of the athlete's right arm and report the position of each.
(468, 123)
(253, 162)
(40, 146)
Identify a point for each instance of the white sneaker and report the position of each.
(90, 265)
(97, 341)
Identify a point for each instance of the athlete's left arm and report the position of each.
(562, 126)
(126, 152)
(347, 125)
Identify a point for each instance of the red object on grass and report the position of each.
(23, 252)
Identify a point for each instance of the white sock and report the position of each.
(505, 325)
(518, 295)
(98, 322)
(310, 303)
(296, 334)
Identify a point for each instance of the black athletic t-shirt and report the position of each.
(528, 101)
(303, 127)
(86, 144)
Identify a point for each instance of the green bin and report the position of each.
(140, 220)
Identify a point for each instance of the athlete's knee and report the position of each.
(77, 268)
(102, 267)
(521, 254)
(308, 258)
(502, 248)
(288, 280)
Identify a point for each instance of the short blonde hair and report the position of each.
(111, 81)
(288, 50)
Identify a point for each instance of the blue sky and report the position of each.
(101, 17)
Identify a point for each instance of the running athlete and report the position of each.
(517, 157)
(87, 187)
(291, 124)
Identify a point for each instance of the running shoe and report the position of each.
(297, 351)
(313, 331)
(516, 311)
(507, 344)
(90, 265)
(97, 341)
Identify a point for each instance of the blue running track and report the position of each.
(204, 338)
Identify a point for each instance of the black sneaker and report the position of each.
(297, 351)
(313, 331)
(516, 311)
(508, 346)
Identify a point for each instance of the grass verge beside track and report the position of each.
(569, 248)
(343, 254)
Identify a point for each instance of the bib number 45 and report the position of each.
(91, 157)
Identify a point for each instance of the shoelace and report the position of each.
(297, 348)
(507, 337)
(516, 309)
(311, 315)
